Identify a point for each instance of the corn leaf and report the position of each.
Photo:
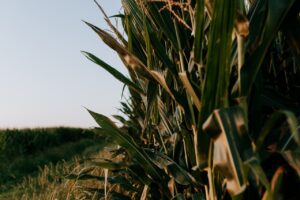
(180, 175)
(113, 72)
(231, 146)
(199, 30)
(257, 170)
(127, 142)
(275, 12)
(269, 125)
(216, 83)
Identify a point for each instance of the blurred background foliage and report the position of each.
(24, 152)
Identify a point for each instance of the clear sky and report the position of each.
(44, 79)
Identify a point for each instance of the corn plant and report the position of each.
(214, 98)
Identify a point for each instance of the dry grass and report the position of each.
(51, 183)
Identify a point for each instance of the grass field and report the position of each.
(60, 181)
(26, 152)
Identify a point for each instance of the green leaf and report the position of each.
(199, 31)
(190, 90)
(198, 196)
(293, 158)
(152, 93)
(113, 72)
(178, 197)
(138, 173)
(232, 145)
(269, 126)
(216, 82)
(159, 49)
(132, 9)
(189, 146)
(120, 119)
(109, 40)
(273, 15)
(135, 40)
(128, 143)
(257, 170)
(163, 20)
(180, 175)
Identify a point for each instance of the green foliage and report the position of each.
(30, 141)
(209, 83)
(23, 152)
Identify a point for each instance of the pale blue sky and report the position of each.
(44, 79)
